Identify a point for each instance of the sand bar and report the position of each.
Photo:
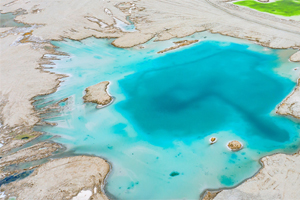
(22, 49)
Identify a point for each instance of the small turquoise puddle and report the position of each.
(167, 106)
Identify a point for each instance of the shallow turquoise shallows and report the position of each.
(167, 106)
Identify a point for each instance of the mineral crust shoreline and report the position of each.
(23, 50)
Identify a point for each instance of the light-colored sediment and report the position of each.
(77, 19)
(21, 80)
(32, 153)
(279, 179)
(179, 44)
(295, 57)
(234, 145)
(98, 94)
(160, 18)
(12, 137)
(35, 152)
(23, 48)
(291, 104)
(61, 178)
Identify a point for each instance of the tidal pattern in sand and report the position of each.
(167, 106)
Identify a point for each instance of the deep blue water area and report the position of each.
(167, 106)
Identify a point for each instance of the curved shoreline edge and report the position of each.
(36, 45)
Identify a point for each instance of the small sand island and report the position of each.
(295, 57)
(212, 140)
(235, 145)
(98, 94)
(179, 44)
(27, 49)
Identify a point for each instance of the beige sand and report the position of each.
(164, 19)
(35, 152)
(291, 104)
(234, 145)
(12, 137)
(21, 80)
(62, 178)
(22, 77)
(98, 94)
(78, 19)
(295, 57)
(279, 179)
(179, 44)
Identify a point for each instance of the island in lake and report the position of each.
(131, 99)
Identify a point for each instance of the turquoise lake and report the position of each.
(156, 132)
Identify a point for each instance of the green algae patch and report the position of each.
(26, 136)
(286, 8)
(174, 174)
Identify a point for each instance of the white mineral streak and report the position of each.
(278, 180)
(2, 195)
(123, 26)
(83, 195)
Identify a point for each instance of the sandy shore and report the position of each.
(291, 104)
(277, 180)
(63, 178)
(179, 44)
(22, 50)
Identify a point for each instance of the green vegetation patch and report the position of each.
(286, 8)
(174, 174)
(25, 136)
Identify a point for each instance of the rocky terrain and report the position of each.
(291, 104)
(65, 178)
(98, 94)
(278, 179)
(25, 51)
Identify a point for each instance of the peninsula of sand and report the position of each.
(26, 49)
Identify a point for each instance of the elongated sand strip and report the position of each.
(22, 76)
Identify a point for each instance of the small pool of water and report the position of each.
(167, 106)
(8, 20)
